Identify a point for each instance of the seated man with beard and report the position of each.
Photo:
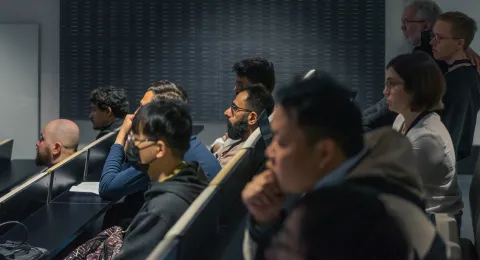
(58, 140)
(243, 115)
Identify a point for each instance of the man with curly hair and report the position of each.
(254, 70)
(249, 71)
(108, 108)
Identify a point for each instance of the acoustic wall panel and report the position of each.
(19, 87)
(131, 44)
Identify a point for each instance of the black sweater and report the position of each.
(462, 102)
(165, 202)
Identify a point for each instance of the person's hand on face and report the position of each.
(127, 124)
(474, 58)
(124, 130)
(263, 197)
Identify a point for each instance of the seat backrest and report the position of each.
(6, 147)
(448, 229)
(264, 126)
(67, 175)
(24, 199)
(97, 153)
(35, 193)
(474, 197)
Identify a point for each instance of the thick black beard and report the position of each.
(39, 161)
(237, 131)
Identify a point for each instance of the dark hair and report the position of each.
(342, 222)
(165, 120)
(169, 96)
(110, 97)
(164, 86)
(463, 27)
(422, 78)
(322, 107)
(258, 98)
(257, 70)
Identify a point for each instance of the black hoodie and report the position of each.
(165, 202)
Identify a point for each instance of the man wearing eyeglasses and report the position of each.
(418, 19)
(253, 70)
(451, 37)
(242, 118)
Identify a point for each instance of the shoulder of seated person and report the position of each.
(462, 74)
(425, 137)
(430, 126)
(164, 202)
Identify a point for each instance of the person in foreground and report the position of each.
(161, 135)
(414, 89)
(318, 142)
(338, 223)
(58, 140)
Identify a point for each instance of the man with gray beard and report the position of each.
(242, 118)
(418, 19)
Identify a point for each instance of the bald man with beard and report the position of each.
(58, 140)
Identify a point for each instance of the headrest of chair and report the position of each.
(264, 125)
(311, 73)
(256, 135)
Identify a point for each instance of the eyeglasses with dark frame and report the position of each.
(439, 38)
(234, 109)
(405, 21)
(389, 85)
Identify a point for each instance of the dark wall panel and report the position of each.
(130, 44)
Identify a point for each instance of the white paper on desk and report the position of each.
(91, 187)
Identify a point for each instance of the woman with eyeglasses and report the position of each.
(414, 89)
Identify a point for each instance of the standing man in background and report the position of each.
(452, 35)
(418, 19)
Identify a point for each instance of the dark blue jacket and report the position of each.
(121, 179)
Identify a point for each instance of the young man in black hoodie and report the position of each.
(161, 135)
(452, 35)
